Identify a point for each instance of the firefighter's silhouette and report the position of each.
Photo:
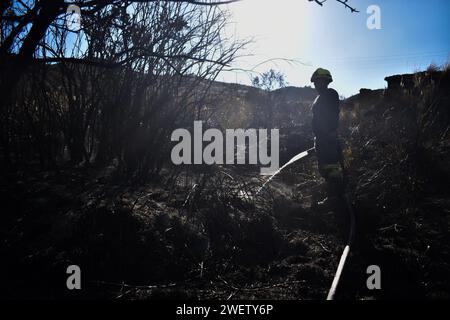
(328, 149)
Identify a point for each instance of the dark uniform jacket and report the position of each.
(325, 123)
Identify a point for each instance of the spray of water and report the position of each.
(294, 159)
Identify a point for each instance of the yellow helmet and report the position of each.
(321, 74)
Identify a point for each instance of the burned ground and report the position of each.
(208, 235)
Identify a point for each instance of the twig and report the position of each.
(344, 2)
(227, 174)
(394, 226)
(323, 247)
(320, 3)
(261, 287)
(232, 294)
(137, 287)
(189, 194)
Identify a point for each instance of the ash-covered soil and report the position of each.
(206, 234)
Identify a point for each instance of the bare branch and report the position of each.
(104, 3)
(320, 3)
(344, 2)
(108, 64)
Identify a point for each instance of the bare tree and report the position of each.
(269, 80)
(116, 87)
(24, 24)
(119, 86)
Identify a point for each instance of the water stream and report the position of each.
(294, 159)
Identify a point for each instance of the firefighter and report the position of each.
(328, 150)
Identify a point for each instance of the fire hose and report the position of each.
(345, 253)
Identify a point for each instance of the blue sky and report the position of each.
(413, 34)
